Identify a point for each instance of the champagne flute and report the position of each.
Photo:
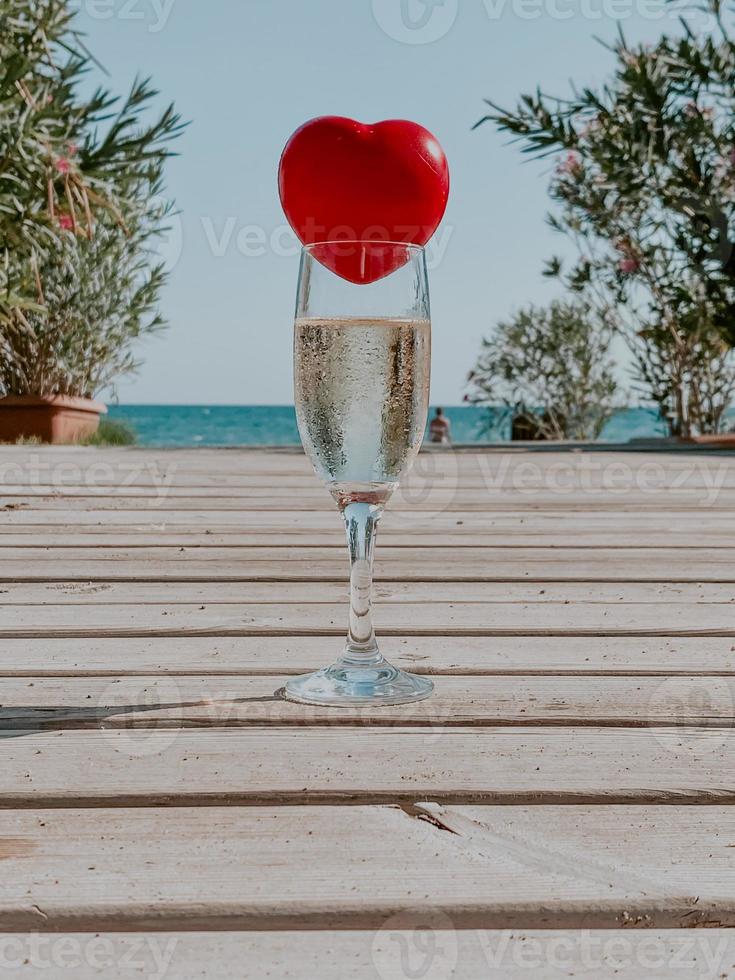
(362, 360)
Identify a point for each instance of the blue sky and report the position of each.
(248, 72)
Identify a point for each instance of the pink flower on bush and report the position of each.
(571, 164)
(66, 222)
(628, 265)
(691, 109)
(63, 165)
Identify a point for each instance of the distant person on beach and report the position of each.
(440, 429)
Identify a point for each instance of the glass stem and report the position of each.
(361, 523)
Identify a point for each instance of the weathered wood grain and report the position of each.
(379, 955)
(51, 563)
(561, 472)
(447, 502)
(324, 518)
(417, 619)
(465, 655)
(308, 593)
(172, 701)
(577, 611)
(409, 942)
(276, 765)
(340, 867)
(311, 593)
(409, 535)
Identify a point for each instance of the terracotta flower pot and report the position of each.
(726, 440)
(52, 418)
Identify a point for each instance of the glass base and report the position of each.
(345, 685)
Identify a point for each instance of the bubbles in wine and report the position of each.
(362, 396)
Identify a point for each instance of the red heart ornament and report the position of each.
(348, 183)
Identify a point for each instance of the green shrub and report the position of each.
(552, 369)
(112, 434)
(80, 184)
(644, 187)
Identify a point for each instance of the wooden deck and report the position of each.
(166, 812)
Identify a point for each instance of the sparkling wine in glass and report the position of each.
(362, 360)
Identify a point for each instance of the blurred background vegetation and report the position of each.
(644, 186)
(81, 185)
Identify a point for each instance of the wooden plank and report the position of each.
(464, 655)
(405, 944)
(172, 701)
(580, 519)
(695, 499)
(502, 867)
(540, 593)
(415, 494)
(415, 619)
(189, 459)
(49, 563)
(110, 535)
(483, 461)
(277, 765)
(243, 455)
(435, 520)
(479, 458)
(561, 472)
(152, 481)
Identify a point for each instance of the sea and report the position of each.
(275, 425)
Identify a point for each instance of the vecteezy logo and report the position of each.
(416, 946)
(696, 714)
(415, 21)
(135, 720)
